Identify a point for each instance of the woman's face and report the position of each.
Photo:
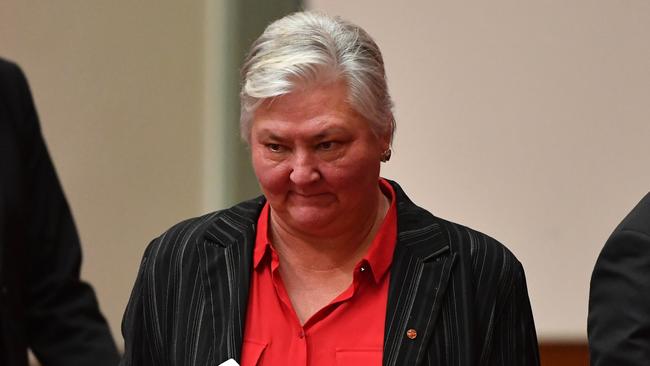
(316, 160)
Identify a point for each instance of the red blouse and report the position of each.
(347, 331)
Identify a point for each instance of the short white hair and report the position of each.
(310, 48)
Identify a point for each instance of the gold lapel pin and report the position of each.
(411, 333)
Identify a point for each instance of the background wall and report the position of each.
(119, 87)
(525, 120)
(138, 103)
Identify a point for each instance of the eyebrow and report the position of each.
(328, 132)
(267, 133)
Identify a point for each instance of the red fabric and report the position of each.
(348, 331)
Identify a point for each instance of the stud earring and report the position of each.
(385, 156)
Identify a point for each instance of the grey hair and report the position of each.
(307, 48)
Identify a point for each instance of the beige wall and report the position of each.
(119, 86)
(525, 120)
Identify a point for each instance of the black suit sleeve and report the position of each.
(619, 301)
(515, 340)
(64, 325)
(136, 330)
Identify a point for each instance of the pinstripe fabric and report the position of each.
(462, 291)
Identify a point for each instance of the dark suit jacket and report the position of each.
(619, 299)
(463, 292)
(43, 304)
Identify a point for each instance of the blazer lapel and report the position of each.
(234, 236)
(420, 272)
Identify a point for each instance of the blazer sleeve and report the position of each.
(165, 315)
(515, 338)
(64, 324)
(619, 301)
(136, 327)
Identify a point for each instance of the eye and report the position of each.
(327, 145)
(274, 147)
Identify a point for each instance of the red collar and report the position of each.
(379, 256)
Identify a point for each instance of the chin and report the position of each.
(311, 218)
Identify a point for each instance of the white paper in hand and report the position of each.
(229, 362)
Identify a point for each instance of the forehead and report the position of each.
(312, 108)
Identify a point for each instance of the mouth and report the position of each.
(310, 197)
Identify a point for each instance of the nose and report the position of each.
(304, 169)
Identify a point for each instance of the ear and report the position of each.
(385, 141)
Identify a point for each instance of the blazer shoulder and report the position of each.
(13, 82)
(471, 245)
(482, 252)
(177, 245)
(221, 228)
(9, 69)
(629, 244)
(17, 107)
(638, 219)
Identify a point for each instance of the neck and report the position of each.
(339, 250)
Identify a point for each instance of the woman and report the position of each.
(333, 265)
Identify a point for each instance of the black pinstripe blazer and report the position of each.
(462, 291)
